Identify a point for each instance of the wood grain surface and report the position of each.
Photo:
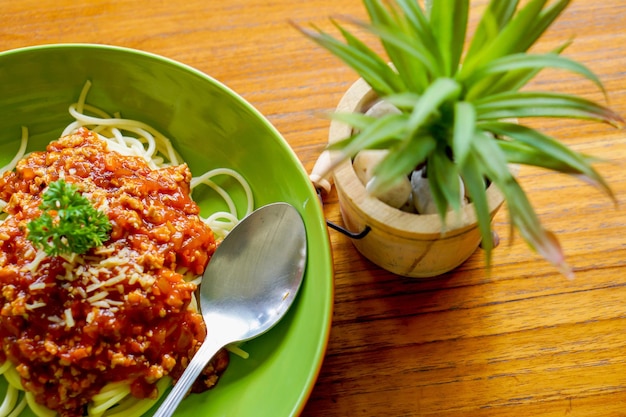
(521, 340)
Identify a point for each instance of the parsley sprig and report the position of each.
(69, 223)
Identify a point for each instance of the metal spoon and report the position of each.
(249, 284)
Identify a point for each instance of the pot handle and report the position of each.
(323, 182)
(320, 176)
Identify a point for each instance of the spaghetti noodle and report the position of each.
(80, 323)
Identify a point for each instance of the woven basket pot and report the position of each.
(412, 245)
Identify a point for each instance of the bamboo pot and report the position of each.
(412, 245)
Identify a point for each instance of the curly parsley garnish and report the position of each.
(68, 223)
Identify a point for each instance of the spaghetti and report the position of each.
(110, 329)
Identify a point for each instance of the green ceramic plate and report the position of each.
(210, 126)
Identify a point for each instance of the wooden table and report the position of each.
(522, 340)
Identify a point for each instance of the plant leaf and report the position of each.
(496, 165)
(522, 61)
(405, 101)
(474, 180)
(463, 131)
(511, 39)
(543, 22)
(420, 26)
(443, 178)
(380, 133)
(358, 121)
(520, 153)
(438, 92)
(543, 104)
(513, 80)
(448, 20)
(401, 160)
(401, 45)
(414, 64)
(371, 67)
(516, 79)
(495, 17)
(525, 219)
(522, 214)
(531, 147)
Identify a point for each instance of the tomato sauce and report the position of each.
(72, 324)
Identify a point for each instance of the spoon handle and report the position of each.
(207, 350)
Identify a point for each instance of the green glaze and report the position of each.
(211, 126)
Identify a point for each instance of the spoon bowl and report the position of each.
(247, 287)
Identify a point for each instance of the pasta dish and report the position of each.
(104, 333)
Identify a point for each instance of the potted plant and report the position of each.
(455, 126)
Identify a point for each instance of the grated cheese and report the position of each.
(37, 286)
(97, 297)
(70, 258)
(29, 252)
(33, 265)
(113, 261)
(69, 318)
(108, 283)
(104, 250)
(68, 276)
(81, 291)
(101, 303)
(90, 317)
(35, 305)
(93, 278)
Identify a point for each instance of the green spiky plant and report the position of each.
(457, 98)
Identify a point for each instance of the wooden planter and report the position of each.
(406, 244)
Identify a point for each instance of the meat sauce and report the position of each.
(72, 324)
